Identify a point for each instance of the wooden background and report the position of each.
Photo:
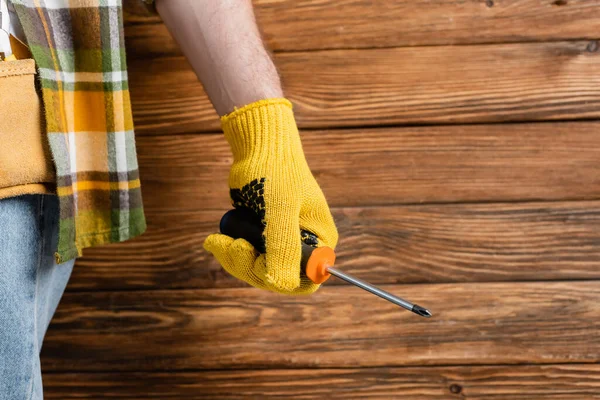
(458, 143)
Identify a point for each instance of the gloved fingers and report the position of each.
(237, 257)
(319, 221)
(218, 244)
(306, 287)
(248, 263)
(283, 245)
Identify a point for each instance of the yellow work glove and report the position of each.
(270, 176)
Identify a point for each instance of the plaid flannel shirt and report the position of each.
(78, 46)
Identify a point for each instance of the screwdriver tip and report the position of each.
(423, 312)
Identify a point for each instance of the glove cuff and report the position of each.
(262, 126)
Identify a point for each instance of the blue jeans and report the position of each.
(31, 285)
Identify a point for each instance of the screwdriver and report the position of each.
(317, 262)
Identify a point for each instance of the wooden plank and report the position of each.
(510, 82)
(531, 382)
(410, 244)
(291, 24)
(394, 166)
(479, 323)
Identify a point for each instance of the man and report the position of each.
(77, 46)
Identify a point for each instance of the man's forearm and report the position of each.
(222, 43)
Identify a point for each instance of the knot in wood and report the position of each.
(455, 389)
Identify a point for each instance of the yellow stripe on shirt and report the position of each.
(98, 185)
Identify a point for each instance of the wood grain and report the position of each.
(394, 166)
(404, 244)
(307, 24)
(421, 85)
(157, 318)
(548, 382)
(479, 323)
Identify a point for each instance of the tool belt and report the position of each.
(25, 163)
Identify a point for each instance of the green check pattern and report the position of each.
(78, 46)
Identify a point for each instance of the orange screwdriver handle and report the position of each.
(242, 223)
(316, 262)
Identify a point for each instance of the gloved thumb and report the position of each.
(219, 244)
(238, 258)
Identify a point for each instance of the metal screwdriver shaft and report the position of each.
(423, 312)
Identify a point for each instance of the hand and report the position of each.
(271, 177)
